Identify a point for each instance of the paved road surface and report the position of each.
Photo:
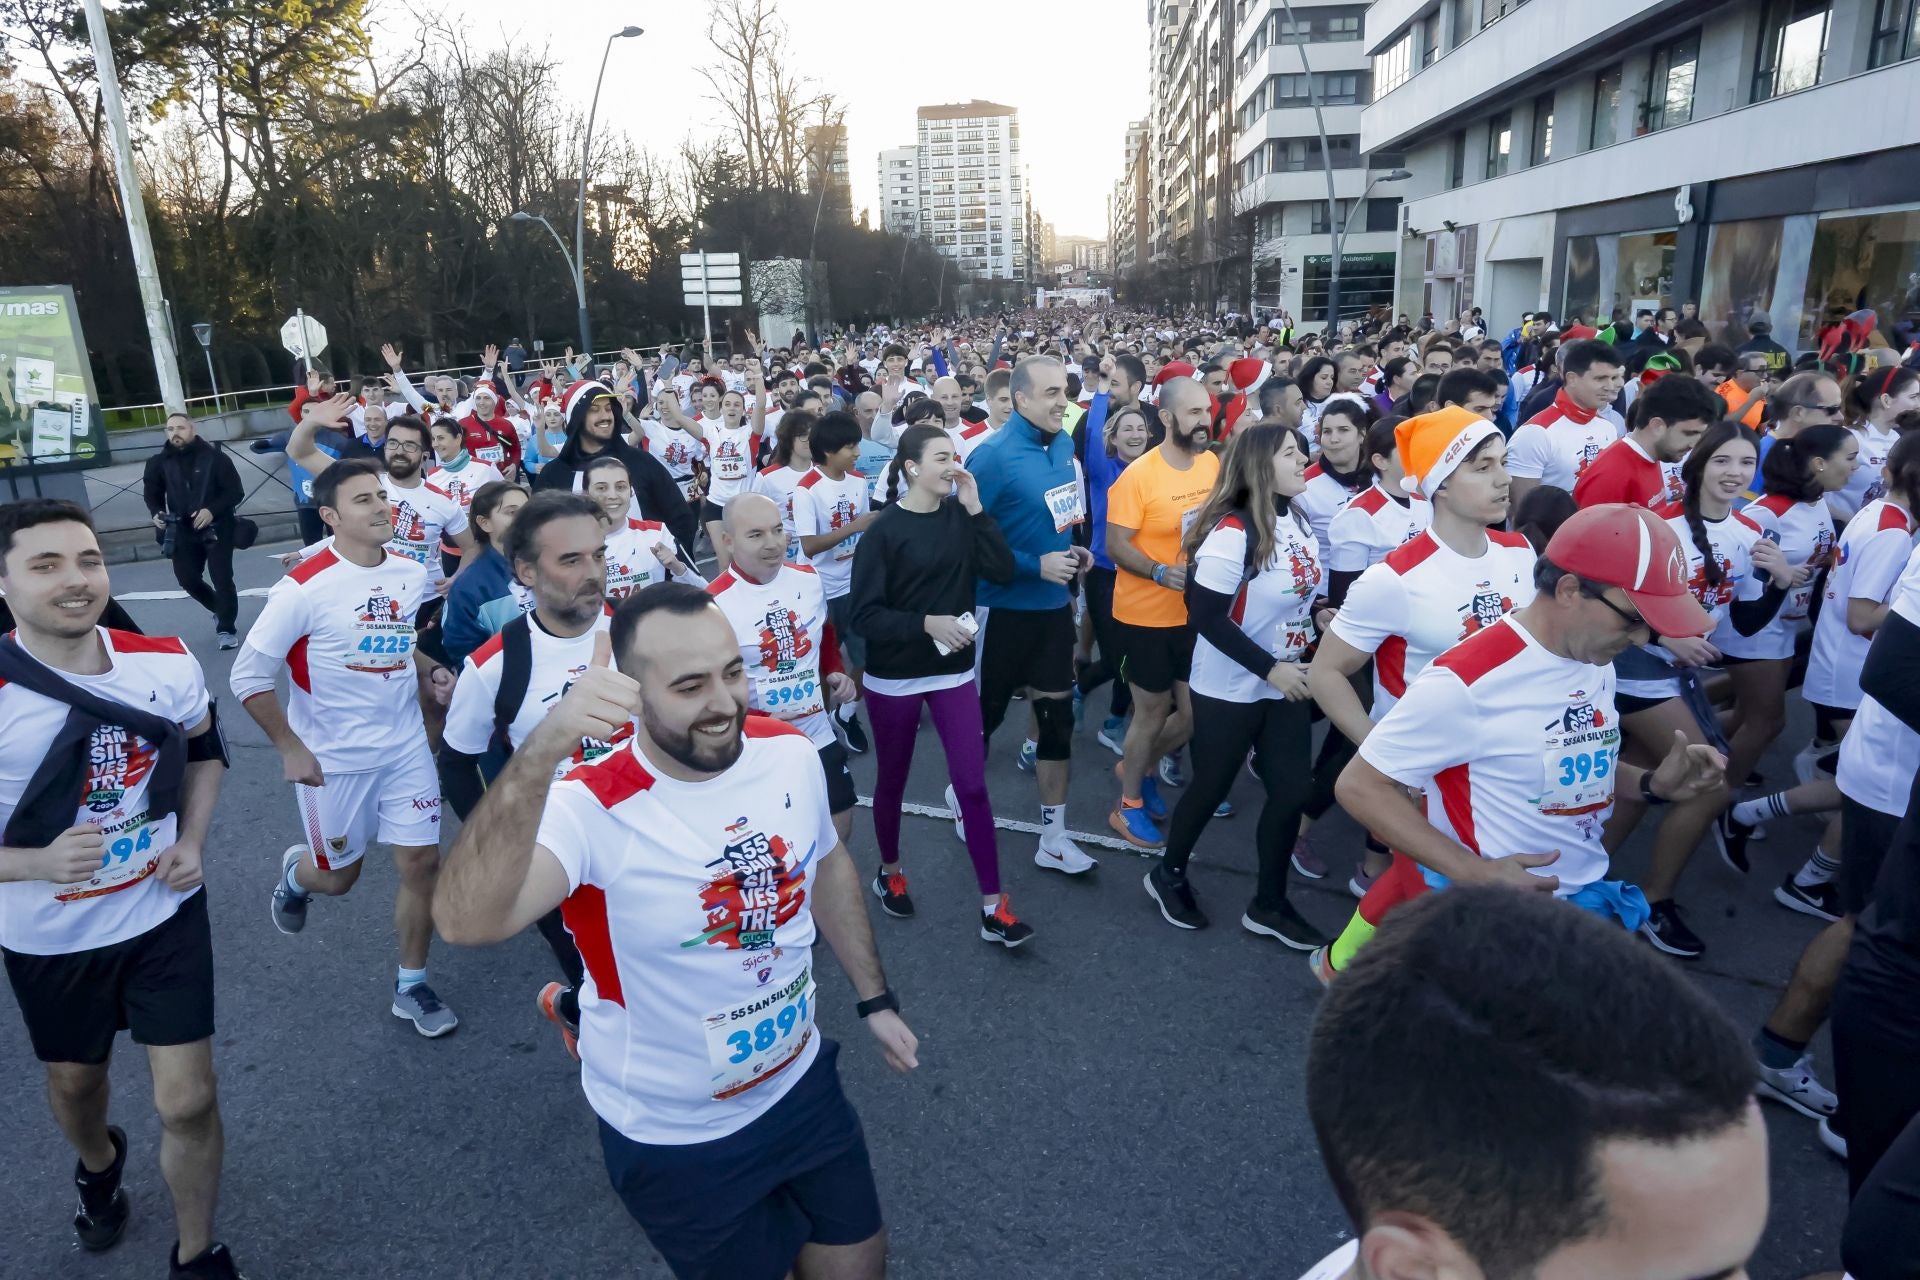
(1117, 1099)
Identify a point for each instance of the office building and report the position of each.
(1127, 206)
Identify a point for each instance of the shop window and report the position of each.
(1870, 260)
(1793, 42)
(1670, 74)
(1605, 128)
(1366, 281)
(1896, 32)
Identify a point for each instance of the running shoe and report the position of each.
(1224, 809)
(1028, 759)
(953, 807)
(1172, 771)
(891, 888)
(1136, 828)
(101, 1218)
(1666, 930)
(215, 1264)
(420, 1006)
(1730, 836)
(552, 1001)
(1321, 963)
(1815, 760)
(1307, 862)
(1832, 1139)
(1062, 854)
(1002, 926)
(855, 734)
(1113, 735)
(1359, 882)
(1151, 800)
(1821, 900)
(1797, 1087)
(1175, 899)
(1286, 924)
(289, 908)
(227, 639)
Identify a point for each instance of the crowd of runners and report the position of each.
(1503, 600)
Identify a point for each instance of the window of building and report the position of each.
(1460, 18)
(1499, 144)
(1491, 11)
(1896, 32)
(1318, 208)
(1366, 281)
(1302, 155)
(1383, 213)
(1793, 42)
(1541, 150)
(1394, 64)
(1457, 161)
(1605, 128)
(1670, 75)
(1428, 31)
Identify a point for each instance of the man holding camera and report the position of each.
(193, 491)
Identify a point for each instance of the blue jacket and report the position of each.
(474, 611)
(1102, 471)
(1016, 468)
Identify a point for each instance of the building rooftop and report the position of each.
(965, 110)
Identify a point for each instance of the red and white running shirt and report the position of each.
(1868, 482)
(1424, 598)
(1323, 499)
(555, 663)
(345, 635)
(821, 505)
(778, 482)
(1515, 748)
(1879, 755)
(729, 461)
(1559, 443)
(967, 437)
(1872, 551)
(1274, 607)
(1370, 525)
(786, 643)
(631, 562)
(123, 899)
(1804, 533)
(461, 485)
(1624, 472)
(678, 448)
(691, 904)
(422, 517)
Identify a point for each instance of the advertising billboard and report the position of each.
(49, 411)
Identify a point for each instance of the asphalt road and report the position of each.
(1117, 1099)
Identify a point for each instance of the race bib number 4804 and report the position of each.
(1063, 501)
(753, 1040)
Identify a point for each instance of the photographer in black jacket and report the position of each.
(192, 491)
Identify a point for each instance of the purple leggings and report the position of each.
(956, 718)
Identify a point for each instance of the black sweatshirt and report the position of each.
(910, 566)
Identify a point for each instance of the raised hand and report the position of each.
(391, 354)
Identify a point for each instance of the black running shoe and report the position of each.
(101, 1219)
(1002, 926)
(1666, 930)
(855, 734)
(1284, 923)
(215, 1264)
(1731, 836)
(891, 889)
(1174, 897)
(1822, 900)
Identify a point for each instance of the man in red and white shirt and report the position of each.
(490, 434)
(102, 922)
(1561, 441)
(352, 739)
(831, 509)
(639, 552)
(1643, 467)
(696, 867)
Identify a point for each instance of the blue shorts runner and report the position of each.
(1614, 900)
(741, 1207)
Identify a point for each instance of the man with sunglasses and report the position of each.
(1806, 399)
(1513, 735)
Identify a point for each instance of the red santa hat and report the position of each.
(1246, 375)
(1171, 370)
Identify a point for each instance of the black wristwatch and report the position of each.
(885, 1000)
(1646, 788)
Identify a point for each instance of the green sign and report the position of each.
(1354, 262)
(43, 374)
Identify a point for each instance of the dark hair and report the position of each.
(326, 485)
(486, 500)
(1716, 356)
(1392, 369)
(542, 509)
(1423, 394)
(1272, 391)
(1380, 438)
(1540, 515)
(29, 513)
(1694, 473)
(1579, 357)
(793, 423)
(1311, 370)
(912, 443)
(411, 422)
(602, 462)
(922, 409)
(834, 431)
(678, 598)
(1787, 469)
(1511, 1088)
(1458, 383)
(1902, 469)
(894, 349)
(1687, 330)
(1362, 419)
(449, 426)
(1677, 398)
(1128, 363)
(1890, 380)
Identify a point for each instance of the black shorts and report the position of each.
(427, 635)
(710, 512)
(1154, 659)
(1028, 649)
(1865, 836)
(158, 985)
(840, 793)
(1830, 723)
(741, 1207)
(1627, 703)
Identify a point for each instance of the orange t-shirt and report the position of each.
(1158, 502)
(1730, 395)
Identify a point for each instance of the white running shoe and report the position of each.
(1797, 1088)
(959, 823)
(1806, 761)
(1062, 854)
(1831, 1140)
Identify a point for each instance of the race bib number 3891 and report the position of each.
(752, 1041)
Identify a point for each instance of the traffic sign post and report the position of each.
(304, 336)
(710, 280)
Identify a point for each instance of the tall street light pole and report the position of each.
(1339, 215)
(580, 204)
(573, 269)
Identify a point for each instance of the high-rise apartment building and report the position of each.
(899, 212)
(827, 170)
(1127, 234)
(973, 204)
(1196, 234)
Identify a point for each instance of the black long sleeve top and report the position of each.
(913, 565)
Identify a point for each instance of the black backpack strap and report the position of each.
(516, 673)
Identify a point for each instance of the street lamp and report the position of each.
(204, 332)
(580, 205)
(573, 269)
(1339, 214)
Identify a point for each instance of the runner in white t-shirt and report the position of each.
(103, 926)
(680, 441)
(639, 552)
(1564, 439)
(831, 508)
(731, 448)
(352, 739)
(696, 867)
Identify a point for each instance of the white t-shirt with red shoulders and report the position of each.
(461, 485)
(679, 449)
(1804, 533)
(822, 504)
(1371, 524)
(1424, 598)
(123, 899)
(729, 461)
(778, 483)
(1515, 748)
(631, 562)
(1274, 607)
(1324, 498)
(691, 903)
(554, 663)
(1624, 472)
(1731, 540)
(423, 517)
(786, 643)
(1872, 551)
(1559, 443)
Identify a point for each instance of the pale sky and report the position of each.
(1075, 69)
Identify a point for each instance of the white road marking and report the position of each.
(180, 595)
(1015, 824)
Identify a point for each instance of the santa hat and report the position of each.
(1171, 370)
(1246, 377)
(584, 392)
(1576, 332)
(1433, 445)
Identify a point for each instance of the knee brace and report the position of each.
(1054, 717)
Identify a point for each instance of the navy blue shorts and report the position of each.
(740, 1207)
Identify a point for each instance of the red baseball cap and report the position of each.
(1631, 548)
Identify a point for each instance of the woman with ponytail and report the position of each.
(912, 598)
(1874, 405)
(1341, 473)
(1657, 693)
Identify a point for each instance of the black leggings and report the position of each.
(1106, 639)
(1280, 734)
(1879, 1241)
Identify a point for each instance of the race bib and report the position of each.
(1290, 640)
(1064, 502)
(132, 853)
(379, 646)
(790, 694)
(492, 453)
(729, 464)
(1578, 764)
(751, 1041)
(1799, 601)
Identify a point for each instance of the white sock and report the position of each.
(847, 710)
(1818, 870)
(408, 978)
(293, 882)
(1751, 813)
(1053, 822)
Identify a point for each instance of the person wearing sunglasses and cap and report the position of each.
(1513, 735)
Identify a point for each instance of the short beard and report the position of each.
(403, 467)
(682, 747)
(576, 611)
